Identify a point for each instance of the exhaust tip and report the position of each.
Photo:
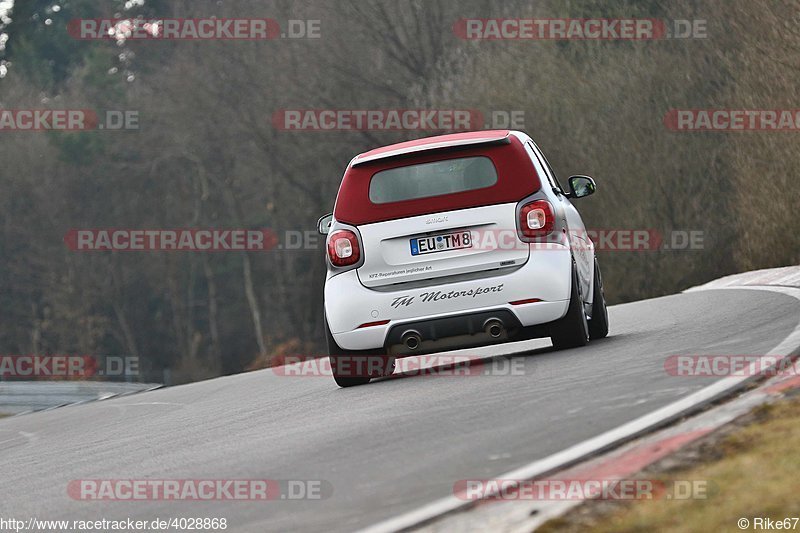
(494, 328)
(411, 340)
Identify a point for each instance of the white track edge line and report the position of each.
(610, 438)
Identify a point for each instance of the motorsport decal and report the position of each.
(435, 296)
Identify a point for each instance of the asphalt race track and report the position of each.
(385, 448)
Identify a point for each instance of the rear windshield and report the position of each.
(432, 179)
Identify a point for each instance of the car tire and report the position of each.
(598, 324)
(572, 330)
(339, 375)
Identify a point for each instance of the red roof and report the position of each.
(516, 173)
(451, 139)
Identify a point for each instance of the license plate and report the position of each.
(441, 243)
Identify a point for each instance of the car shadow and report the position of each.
(448, 364)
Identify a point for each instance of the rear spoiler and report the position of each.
(442, 145)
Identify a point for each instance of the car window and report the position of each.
(551, 174)
(537, 162)
(432, 179)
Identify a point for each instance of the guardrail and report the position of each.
(18, 397)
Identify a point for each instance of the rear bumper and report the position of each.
(348, 304)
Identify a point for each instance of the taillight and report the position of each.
(343, 248)
(536, 219)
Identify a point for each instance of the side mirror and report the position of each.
(580, 186)
(324, 224)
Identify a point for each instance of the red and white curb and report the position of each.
(621, 455)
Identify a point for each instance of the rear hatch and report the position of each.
(437, 207)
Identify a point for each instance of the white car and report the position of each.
(455, 241)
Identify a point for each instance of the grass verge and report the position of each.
(753, 471)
